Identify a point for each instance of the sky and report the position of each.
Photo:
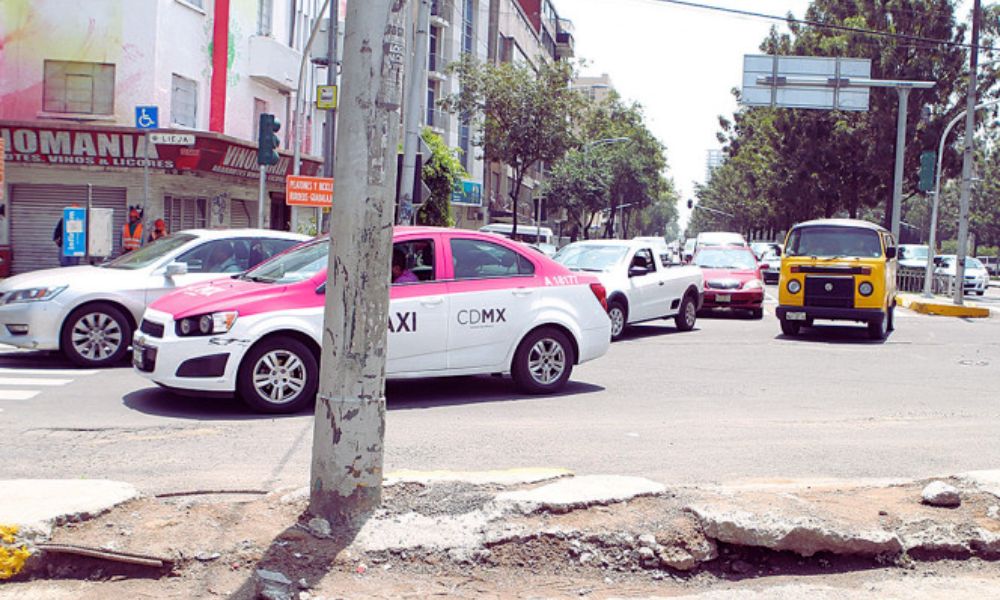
(680, 63)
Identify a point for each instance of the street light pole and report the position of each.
(416, 95)
(897, 180)
(970, 130)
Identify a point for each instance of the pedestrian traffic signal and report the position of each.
(928, 161)
(267, 140)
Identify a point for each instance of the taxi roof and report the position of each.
(857, 223)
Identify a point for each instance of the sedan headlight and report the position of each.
(794, 286)
(753, 284)
(210, 324)
(32, 294)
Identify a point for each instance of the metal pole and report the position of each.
(346, 476)
(145, 185)
(897, 183)
(261, 196)
(299, 95)
(86, 226)
(332, 71)
(970, 134)
(416, 93)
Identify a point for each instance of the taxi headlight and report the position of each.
(32, 294)
(866, 288)
(209, 324)
(753, 284)
(794, 287)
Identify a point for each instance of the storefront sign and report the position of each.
(125, 148)
(467, 193)
(74, 237)
(308, 191)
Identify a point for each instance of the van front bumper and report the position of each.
(862, 315)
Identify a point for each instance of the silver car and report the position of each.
(90, 312)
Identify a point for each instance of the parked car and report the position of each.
(472, 303)
(977, 278)
(89, 312)
(732, 279)
(841, 270)
(641, 286)
(913, 256)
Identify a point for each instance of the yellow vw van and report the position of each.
(841, 270)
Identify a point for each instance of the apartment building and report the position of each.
(72, 83)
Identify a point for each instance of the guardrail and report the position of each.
(912, 280)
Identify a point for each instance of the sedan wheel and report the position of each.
(280, 375)
(96, 336)
(543, 362)
(616, 312)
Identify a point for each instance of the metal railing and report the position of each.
(912, 280)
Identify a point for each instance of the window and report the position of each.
(264, 249)
(432, 104)
(432, 51)
(465, 141)
(644, 258)
(184, 102)
(185, 213)
(218, 256)
(413, 262)
(79, 87)
(265, 16)
(468, 27)
(477, 259)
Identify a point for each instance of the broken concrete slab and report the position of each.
(985, 481)
(37, 505)
(499, 477)
(580, 492)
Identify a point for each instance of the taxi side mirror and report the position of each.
(890, 252)
(176, 268)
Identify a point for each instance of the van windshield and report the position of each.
(823, 241)
(293, 266)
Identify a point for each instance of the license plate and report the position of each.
(723, 298)
(795, 316)
(137, 355)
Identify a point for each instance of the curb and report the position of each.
(943, 309)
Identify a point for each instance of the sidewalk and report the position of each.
(532, 533)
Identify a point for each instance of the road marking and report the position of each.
(18, 394)
(33, 381)
(53, 372)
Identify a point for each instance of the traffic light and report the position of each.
(690, 203)
(927, 165)
(267, 140)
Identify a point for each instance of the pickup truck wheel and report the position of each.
(688, 314)
(619, 318)
(543, 362)
(790, 327)
(279, 375)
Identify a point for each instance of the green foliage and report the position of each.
(521, 116)
(579, 183)
(442, 170)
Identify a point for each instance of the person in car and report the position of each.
(222, 259)
(400, 274)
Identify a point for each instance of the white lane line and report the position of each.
(18, 394)
(35, 381)
(53, 372)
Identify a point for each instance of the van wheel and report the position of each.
(97, 335)
(688, 315)
(878, 330)
(279, 375)
(891, 315)
(543, 362)
(790, 327)
(619, 318)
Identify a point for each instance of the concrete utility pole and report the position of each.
(416, 94)
(332, 70)
(970, 134)
(346, 478)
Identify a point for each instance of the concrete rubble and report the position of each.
(939, 493)
(35, 506)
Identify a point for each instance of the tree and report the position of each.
(442, 171)
(521, 115)
(660, 217)
(579, 183)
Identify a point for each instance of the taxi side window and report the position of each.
(413, 261)
(218, 256)
(477, 259)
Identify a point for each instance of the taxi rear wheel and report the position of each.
(96, 335)
(543, 362)
(279, 375)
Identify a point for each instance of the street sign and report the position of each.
(308, 191)
(326, 97)
(805, 82)
(74, 233)
(928, 162)
(467, 193)
(147, 117)
(172, 139)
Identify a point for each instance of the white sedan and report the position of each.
(977, 278)
(90, 312)
(641, 284)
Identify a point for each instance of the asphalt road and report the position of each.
(731, 400)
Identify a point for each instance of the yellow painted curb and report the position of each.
(943, 309)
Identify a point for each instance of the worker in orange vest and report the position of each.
(132, 232)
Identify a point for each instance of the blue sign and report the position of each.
(147, 117)
(467, 193)
(74, 232)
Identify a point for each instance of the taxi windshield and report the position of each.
(822, 241)
(712, 258)
(293, 266)
(149, 254)
(591, 257)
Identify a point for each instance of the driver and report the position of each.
(400, 274)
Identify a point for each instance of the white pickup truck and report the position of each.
(640, 283)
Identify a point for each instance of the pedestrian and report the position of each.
(159, 230)
(132, 232)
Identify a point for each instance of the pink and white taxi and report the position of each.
(462, 303)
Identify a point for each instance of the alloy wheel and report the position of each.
(96, 336)
(546, 361)
(617, 316)
(279, 376)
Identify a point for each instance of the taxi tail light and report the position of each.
(601, 293)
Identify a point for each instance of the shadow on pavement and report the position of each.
(43, 359)
(833, 334)
(164, 403)
(727, 314)
(647, 330)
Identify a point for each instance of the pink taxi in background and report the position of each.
(462, 303)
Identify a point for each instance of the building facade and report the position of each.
(72, 86)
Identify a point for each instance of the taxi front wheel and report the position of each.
(543, 362)
(278, 375)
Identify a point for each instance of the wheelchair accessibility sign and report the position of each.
(147, 117)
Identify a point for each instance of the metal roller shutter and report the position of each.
(242, 213)
(35, 211)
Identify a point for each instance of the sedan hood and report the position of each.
(84, 277)
(246, 297)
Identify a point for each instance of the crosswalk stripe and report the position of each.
(52, 372)
(33, 381)
(18, 394)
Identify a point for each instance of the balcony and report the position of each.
(273, 63)
(564, 39)
(441, 12)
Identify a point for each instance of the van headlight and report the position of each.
(866, 288)
(32, 294)
(794, 287)
(210, 324)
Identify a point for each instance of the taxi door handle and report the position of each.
(663, 283)
(437, 301)
(522, 292)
